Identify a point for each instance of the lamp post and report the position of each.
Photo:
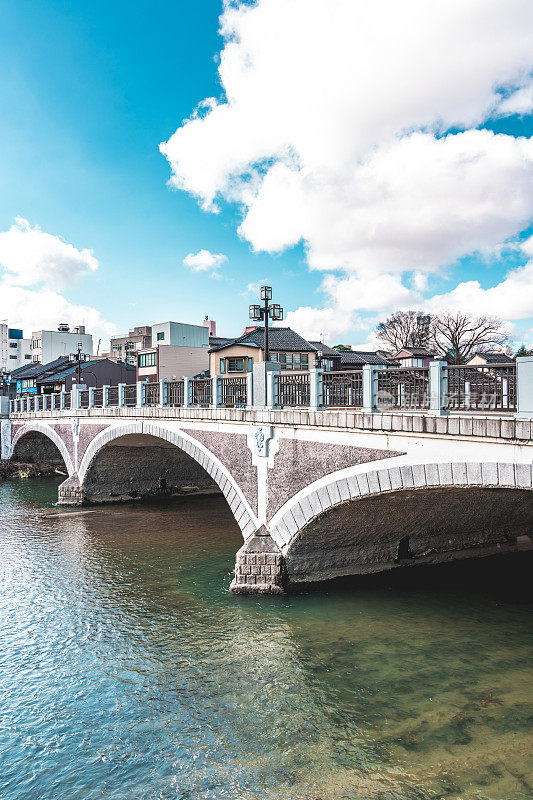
(265, 312)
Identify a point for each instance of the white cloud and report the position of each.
(334, 132)
(46, 263)
(319, 323)
(33, 309)
(30, 256)
(520, 102)
(204, 260)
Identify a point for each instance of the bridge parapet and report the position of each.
(492, 426)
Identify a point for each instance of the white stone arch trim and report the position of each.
(41, 427)
(237, 502)
(350, 484)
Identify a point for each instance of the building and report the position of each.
(292, 351)
(356, 359)
(46, 346)
(23, 381)
(482, 359)
(15, 351)
(125, 348)
(414, 357)
(177, 350)
(92, 373)
(328, 358)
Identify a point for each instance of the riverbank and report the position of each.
(19, 470)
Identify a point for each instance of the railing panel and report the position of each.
(403, 388)
(98, 398)
(151, 394)
(84, 398)
(342, 389)
(233, 392)
(202, 392)
(490, 387)
(175, 393)
(112, 396)
(130, 395)
(66, 400)
(293, 390)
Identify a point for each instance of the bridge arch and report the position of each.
(137, 431)
(45, 430)
(361, 520)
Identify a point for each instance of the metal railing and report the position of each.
(403, 388)
(112, 396)
(130, 395)
(98, 398)
(490, 387)
(151, 394)
(293, 390)
(233, 392)
(201, 392)
(175, 393)
(483, 388)
(342, 389)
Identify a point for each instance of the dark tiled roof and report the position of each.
(423, 352)
(71, 369)
(495, 358)
(20, 372)
(44, 369)
(362, 357)
(325, 348)
(216, 341)
(284, 339)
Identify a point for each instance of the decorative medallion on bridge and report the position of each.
(259, 438)
(75, 428)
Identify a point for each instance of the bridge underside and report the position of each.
(406, 528)
(36, 448)
(135, 467)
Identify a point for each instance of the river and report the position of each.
(129, 672)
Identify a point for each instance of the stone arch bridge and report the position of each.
(316, 494)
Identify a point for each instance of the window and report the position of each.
(235, 364)
(291, 361)
(27, 356)
(13, 344)
(160, 336)
(35, 343)
(118, 347)
(148, 359)
(129, 346)
(13, 357)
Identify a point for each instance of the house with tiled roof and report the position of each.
(414, 356)
(288, 348)
(356, 359)
(482, 359)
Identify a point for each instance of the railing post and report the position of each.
(249, 389)
(524, 387)
(121, 400)
(162, 393)
(61, 401)
(437, 389)
(105, 396)
(369, 394)
(216, 391)
(187, 390)
(91, 396)
(139, 400)
(75, 396)
(315, 388)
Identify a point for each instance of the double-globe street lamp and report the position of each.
(266, 312)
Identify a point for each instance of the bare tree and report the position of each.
(405, 329)
(460, 336)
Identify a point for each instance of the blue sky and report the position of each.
(89, 90)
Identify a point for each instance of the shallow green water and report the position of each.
(127, 670)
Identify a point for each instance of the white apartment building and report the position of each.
(46, 346)
(177, 349)
(15, 351)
